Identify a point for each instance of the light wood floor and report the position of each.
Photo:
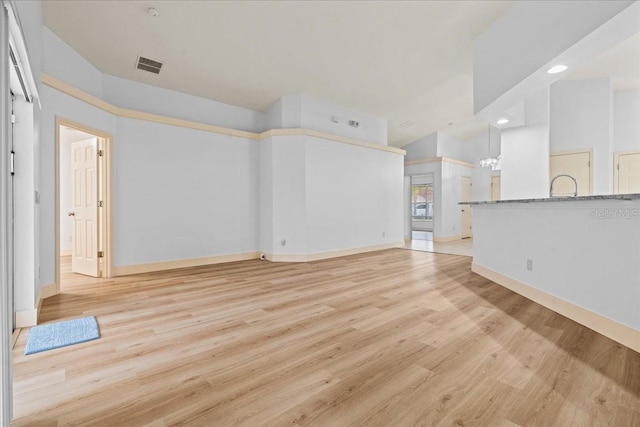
(391, 338)
(462, 247)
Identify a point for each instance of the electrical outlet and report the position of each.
(283, 242)
(529, 264)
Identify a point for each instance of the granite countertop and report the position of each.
(635, 196)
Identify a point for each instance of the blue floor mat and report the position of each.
(61, 334)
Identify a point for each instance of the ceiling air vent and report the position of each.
(407, 124)
(149, 65)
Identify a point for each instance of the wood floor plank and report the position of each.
(388, 338)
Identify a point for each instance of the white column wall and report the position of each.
(626, 120)
(289, 221)
(580, 118)
(525, 153)
(353, 196)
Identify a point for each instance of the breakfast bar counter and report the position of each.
(579, 256)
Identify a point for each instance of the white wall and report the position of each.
(289, 223)
(423, 148)
(308, 112)
(626, 120)
(151, 99)
(265, 197)
(407, 208)
(450, 146)
(329, 196)
(273, 116)
(525, 153)
(24, 206)
(182, 193)
(602, 278)
(354, 196)
(62, 62)
(581, 119)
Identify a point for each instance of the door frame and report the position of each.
(616, 172)
(433, 186)
(581, 151)
(105, 189)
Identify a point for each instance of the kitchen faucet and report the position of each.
(575, 193)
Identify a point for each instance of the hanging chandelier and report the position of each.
(492, 162)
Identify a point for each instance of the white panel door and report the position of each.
(465, 210)
(578, 165)
(84, 191)
(628, 170)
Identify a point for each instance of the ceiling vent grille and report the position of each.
(407, 124)
(149, 65)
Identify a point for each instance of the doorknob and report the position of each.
(71, 214)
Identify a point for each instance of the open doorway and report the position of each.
(83, 203)
(422, 207)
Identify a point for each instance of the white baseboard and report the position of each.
(331, 254)
(27, 318)
(618, 332)
(445, 239)
(181, 263)
(47, 291)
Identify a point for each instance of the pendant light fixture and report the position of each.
(492, 162)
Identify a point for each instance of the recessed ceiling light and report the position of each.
(557, 69)
(502, 121)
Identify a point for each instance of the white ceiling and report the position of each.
(401, 61)
(620, 63)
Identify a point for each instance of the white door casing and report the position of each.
(84, 198)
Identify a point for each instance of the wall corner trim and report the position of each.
(618, 332)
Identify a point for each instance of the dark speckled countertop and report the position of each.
(635, 196)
